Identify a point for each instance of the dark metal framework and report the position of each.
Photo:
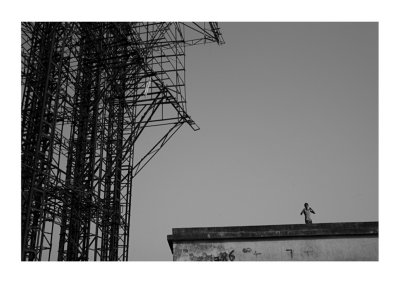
(88, 92)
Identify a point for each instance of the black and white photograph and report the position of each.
(174, 137)
(246, 141)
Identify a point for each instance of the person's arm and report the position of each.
(302, 212)
(312, 211)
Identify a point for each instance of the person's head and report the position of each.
(306, 205)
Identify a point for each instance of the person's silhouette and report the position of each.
(307, 213)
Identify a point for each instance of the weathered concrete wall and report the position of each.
(354, 241)
(363, 248)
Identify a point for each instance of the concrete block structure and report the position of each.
(349, 241)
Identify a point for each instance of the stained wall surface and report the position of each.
(341, 249)
(321, 242)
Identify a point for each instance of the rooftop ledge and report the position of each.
(273, 231)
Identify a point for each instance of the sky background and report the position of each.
(288, 113)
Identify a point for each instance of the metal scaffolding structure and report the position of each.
(89, 90)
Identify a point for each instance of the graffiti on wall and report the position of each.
(222, 256)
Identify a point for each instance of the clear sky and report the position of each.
(288, 114)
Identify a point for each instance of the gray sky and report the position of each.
(288, 114)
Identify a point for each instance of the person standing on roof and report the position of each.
(307, 213)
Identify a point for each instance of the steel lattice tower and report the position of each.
(89, 90)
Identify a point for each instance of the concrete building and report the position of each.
(349, 241)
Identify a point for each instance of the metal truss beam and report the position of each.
(89, 91)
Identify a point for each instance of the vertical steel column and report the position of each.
(89, 91)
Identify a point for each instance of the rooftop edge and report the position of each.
(272, 231)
